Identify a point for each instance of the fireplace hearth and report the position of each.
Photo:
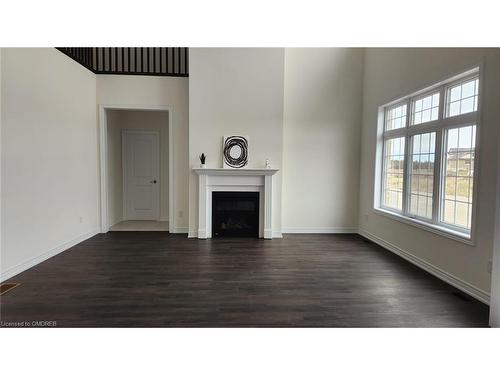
(235, 214)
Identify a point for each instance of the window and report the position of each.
(422, 174)
(428, 158)
(393, 174)
(462, 98)
(396, 117)
(458, 176)
(425, 109)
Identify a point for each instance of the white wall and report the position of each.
(48, 156)
(322, 126)
(1, 126)
(141, 91)
(119, 120)
(495, 278)
(392, 73)
(235, 91)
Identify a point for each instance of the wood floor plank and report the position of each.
(154, 279)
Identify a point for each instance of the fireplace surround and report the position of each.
(235, 180)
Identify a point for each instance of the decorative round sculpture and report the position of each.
(235, 151)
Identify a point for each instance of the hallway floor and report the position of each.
(140, 226)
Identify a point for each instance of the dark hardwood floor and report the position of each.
(153, 279)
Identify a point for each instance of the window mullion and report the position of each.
(406, 174)
(425, 128)
(437, 187)
(438, 153)
(394, 133)
(381, 200)
(442, 103)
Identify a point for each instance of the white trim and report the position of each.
(267, 207)
(235, 171)
(277, 234)
(319, 230)
(103, 168)
(118, 220)
(163, 218)
(13, 271)
(180, 230)
(103, 164)
(458, 283)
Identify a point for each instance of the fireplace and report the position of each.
(235, 214)
(234, 180)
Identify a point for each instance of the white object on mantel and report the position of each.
(225, 179)
(268, 164)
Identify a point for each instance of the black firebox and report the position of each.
(235, 214)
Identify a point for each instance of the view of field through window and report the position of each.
(459, 164)
(393, 175)
(422, 174)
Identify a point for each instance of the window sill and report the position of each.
(445, 232)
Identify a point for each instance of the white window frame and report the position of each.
(423, 95)
(440, 127)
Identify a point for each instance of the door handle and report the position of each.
(153, 181)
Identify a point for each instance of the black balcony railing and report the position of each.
(155, 61)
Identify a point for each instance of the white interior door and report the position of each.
(141, 158)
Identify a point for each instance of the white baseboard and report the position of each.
(181, 230)
(13, 271)
(319, 230)
(277, 234)
(118, 220)
(458, 283)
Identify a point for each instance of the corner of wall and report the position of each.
(495, 267)
(361, 156)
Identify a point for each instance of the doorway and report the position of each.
(136, 169)
(141, 175)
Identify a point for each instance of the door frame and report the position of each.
(124, 134)
(103, 159)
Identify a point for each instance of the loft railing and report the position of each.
(156, 61)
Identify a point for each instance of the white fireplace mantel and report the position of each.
(228, 179)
